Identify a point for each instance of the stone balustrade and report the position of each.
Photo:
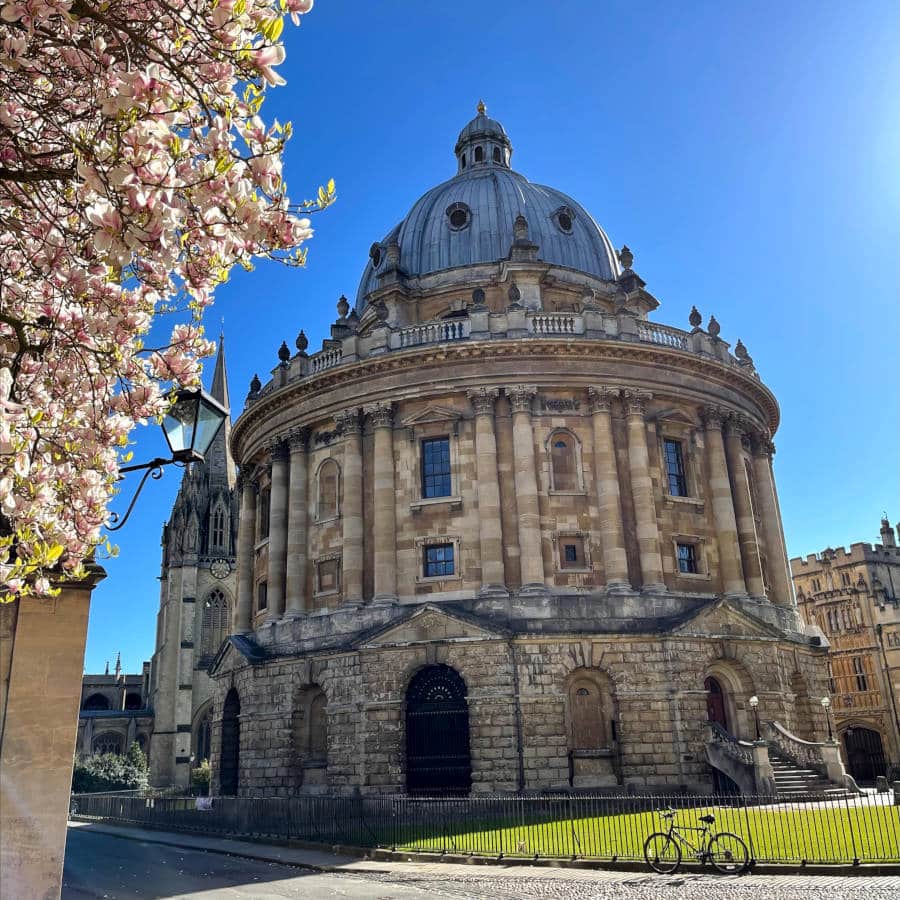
(430, 333)
(326, 359)
(652, 333)
(555, 323)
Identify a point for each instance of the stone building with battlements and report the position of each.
(502, 532)
(853, 596)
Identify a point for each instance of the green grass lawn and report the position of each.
(870, 833)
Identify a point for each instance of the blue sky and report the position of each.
(746, 152)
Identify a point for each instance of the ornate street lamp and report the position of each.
(826, 705)
(754, 705)
(190, 426)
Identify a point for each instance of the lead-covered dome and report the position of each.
(469, 220)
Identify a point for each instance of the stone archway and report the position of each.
(864, 751)
(716, 710)
(229, 759)
(438, 759)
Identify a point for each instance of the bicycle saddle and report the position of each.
(708, 819)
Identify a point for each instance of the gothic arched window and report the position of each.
(108, 742)
(564, 462)
(218, 528)
(214, 624)
(327, 495)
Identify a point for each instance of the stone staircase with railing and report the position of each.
(793, 782)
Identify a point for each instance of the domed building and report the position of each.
(503, 532)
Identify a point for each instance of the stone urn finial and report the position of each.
(695, 318)
(343, 307)
(255, 384)
(713, 327)
(514, 294)
(302, 342)
(520, 228)
(626, 257)
(740, 351)
(284, 354)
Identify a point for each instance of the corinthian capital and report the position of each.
(278, 449)
(713, 416)
(636, 401)
(737, 424)
(601, 398)
(761, 444)
(381, 415)
(348, 422)
(520, 397)
(483, 400)
(298, 439)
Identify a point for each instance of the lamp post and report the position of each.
(754, 705)
(190, 426)
(826, 705)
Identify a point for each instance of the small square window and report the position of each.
(436, 468)
(675, 468)
(262, 596)
(328, 575)
(571, 553)
(437, 561)
(687, 559)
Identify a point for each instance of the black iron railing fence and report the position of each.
(863, 829)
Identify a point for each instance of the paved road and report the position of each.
(100, 865)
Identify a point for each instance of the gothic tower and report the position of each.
(196, 598)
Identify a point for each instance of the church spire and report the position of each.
(218, 461)
(219, 388)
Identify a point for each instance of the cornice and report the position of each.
(543, 348)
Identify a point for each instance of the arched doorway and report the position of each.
(865, 754)
(715, 702)
(437, 733)
(229, 762)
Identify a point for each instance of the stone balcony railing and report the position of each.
(348, 346)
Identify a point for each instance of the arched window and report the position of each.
(479, 154)
(592, 720)
(497, 156)
(108, 742)
(563, 462)
(214, 624)
(203, 736)
(218, 528)
(327, 495)
(318, 727)
(311, 726)
(96, 701)
(230, 754)
(265, 502)
(464, 160)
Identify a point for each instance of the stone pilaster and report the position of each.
(278, 524)
(493, 576)
(243, 608)
(722, 504)
(532, 561)
(384, 502)
(743, 506)
(352, 507)
(776, 554)
(612, 529)
(297, 551)
(646, 523)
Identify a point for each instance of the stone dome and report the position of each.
(469, 219)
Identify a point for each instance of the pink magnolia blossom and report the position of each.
(135, 170)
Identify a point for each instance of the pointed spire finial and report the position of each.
(118, 664)
(482, 109)
(106, 672)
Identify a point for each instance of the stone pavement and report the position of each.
(386, 879)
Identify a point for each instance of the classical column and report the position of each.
(243, 608)
(278, 522)
(646, 524)
(743, 506)
(352, 507)
(776, 554)
(722, 504)
(493, 577)
(531, 557)
(384, 502)
(297, 550)
(612, 529)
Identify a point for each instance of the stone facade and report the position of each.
(502, 502)
(853, 596)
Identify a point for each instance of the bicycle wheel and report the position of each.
(662, 853)
(729, 854)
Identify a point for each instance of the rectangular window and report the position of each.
(436, 467)
(264, 505)
(675, 468)
(687, 558)
(862, 683)
(328, 574)
(571, 552)
(438, 560)
(262, 596)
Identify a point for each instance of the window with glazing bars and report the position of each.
(862, 683)
(438, 560)
(675, 468)
(436, 467)
(687, 558)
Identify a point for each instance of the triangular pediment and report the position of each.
(431, 414)
(431, 623)
(722, 619)
(675, 415)
(236, 650)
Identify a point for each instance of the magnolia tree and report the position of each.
(135, 171)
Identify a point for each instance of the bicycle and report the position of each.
(726, 851)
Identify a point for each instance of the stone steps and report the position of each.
(792, 782)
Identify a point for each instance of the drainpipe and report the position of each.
(520, 749)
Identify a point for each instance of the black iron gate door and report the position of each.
(865, 754)
(437, 733)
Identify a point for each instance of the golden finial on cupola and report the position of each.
(482, 109)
